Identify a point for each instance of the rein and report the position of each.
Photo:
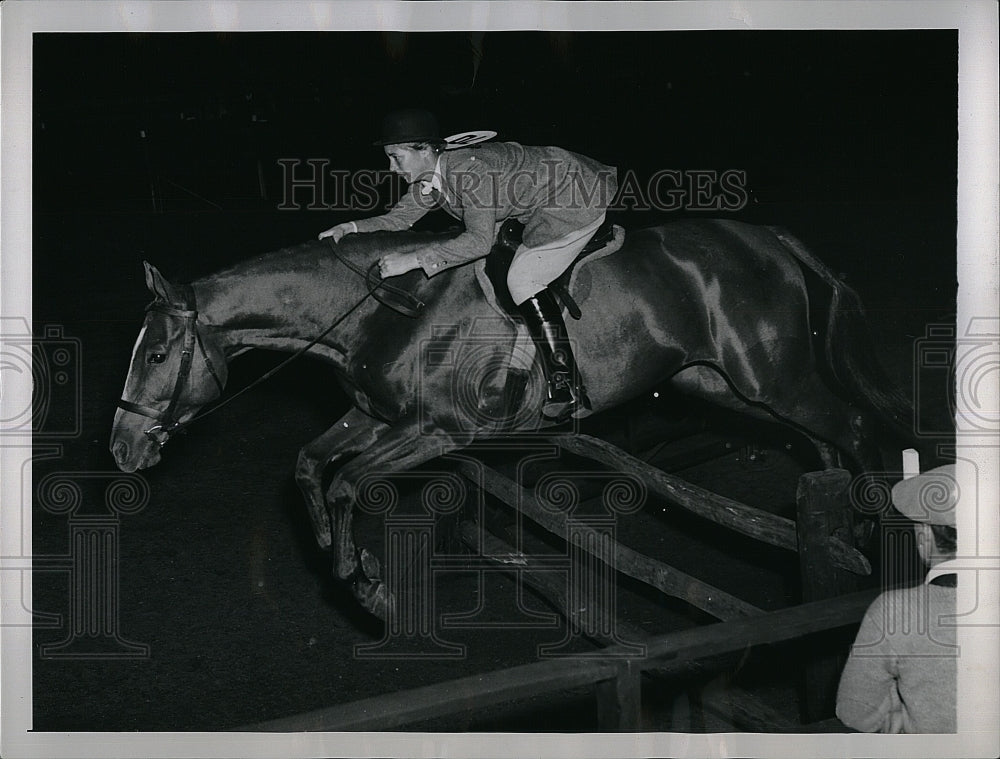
(168, 423)
(397, 299)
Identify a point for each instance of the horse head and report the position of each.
(174, 372)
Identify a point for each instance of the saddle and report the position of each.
(502, 254)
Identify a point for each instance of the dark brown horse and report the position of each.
(719, 309)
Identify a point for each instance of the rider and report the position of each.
(559, 196)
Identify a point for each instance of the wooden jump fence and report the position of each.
(614, 679)
(828, 562)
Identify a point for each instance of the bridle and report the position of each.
(168, 422)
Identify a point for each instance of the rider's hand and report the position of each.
(395, 264)
(338, 231)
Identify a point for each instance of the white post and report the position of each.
(911, 463)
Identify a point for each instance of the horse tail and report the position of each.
(849, 350)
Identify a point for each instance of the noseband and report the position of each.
(167, 421)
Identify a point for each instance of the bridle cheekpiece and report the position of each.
(168, 421)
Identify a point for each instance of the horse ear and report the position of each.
(158, 285)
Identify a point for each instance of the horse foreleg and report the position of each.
(397, 450)
(353, 433)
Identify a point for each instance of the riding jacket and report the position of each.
(550, 190)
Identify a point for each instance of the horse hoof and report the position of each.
(370, 564)
(373, 596)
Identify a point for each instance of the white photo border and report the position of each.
(976, 21)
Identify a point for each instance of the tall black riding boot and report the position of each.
(566, 395)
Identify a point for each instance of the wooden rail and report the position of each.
(656, 574)
(760, 525)
(745, 709)
(614, 678)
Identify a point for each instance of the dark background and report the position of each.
(854, 131)
(165, 146)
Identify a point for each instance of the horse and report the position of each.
(721, 310)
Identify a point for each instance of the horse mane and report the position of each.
(361, 249)
(364, 247)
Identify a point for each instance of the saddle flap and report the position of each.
(491, 271)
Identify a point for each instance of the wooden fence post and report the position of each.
(619, 700)
(824, 512)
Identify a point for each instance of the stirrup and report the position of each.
(573, 408)
(565, 400)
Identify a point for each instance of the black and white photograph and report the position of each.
(499, 379)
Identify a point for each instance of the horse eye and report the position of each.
(157, 358)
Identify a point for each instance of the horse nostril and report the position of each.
(120, 451)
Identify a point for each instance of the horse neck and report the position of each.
(280, 301)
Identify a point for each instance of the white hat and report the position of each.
(929, 497)
(462, 139)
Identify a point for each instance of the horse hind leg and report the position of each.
(839, 432)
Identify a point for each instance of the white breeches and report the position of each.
(534, 268)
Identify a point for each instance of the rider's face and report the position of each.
(411, 164)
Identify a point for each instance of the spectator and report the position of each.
(901, 674)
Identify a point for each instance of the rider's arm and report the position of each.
(479, 215)
(410, 208)
(475, 242)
